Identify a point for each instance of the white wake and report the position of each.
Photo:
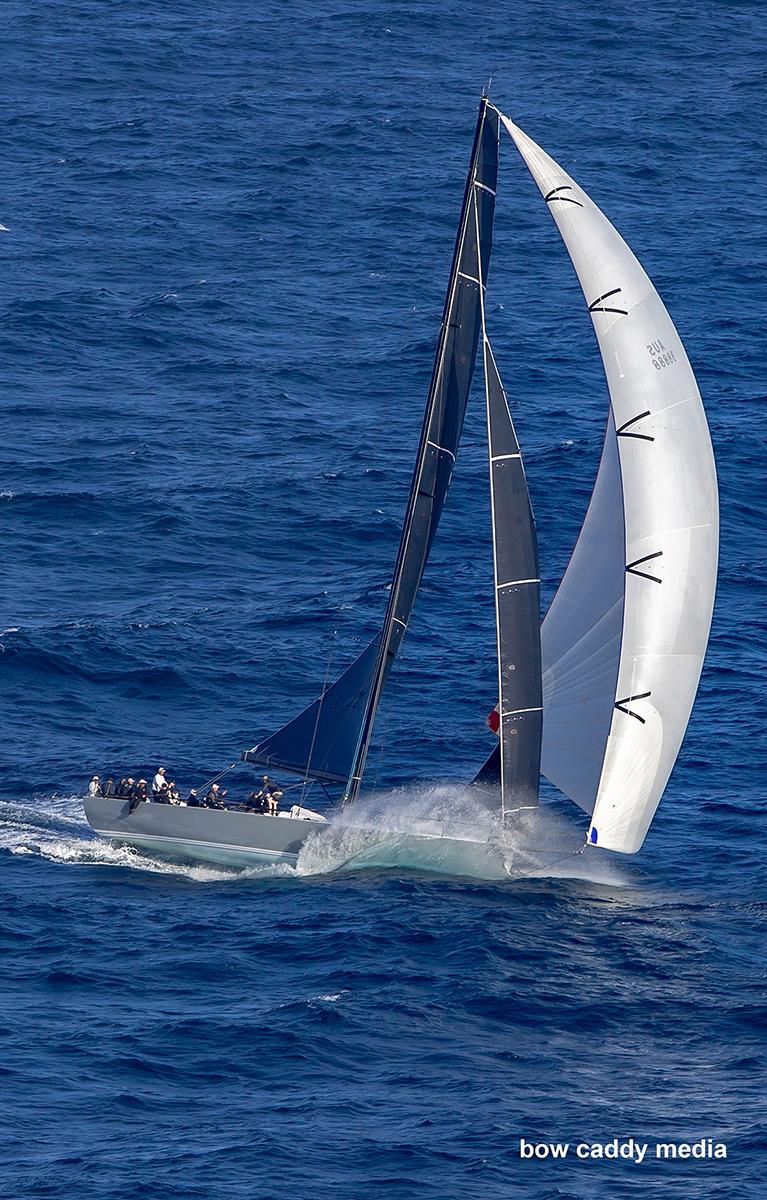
(55, 828)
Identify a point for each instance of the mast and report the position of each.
(517, 598)
(443, 419)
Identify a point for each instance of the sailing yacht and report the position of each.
(596, 698)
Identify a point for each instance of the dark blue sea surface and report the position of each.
(227, 232)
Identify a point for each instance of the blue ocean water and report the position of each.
(227, 231)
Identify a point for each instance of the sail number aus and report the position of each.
(661, 357)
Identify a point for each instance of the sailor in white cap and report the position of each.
(158, 784)
(94, 787)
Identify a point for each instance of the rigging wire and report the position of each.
(319, 714)
(204, 786)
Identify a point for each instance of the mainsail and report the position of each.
(517, 600)
(330, 739)
(624, 640)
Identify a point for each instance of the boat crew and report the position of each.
(94, 787)
(193, 800)
(270, 795)
(158, 783)
(215, 797)
(253, 803)
(108, 788)
(136, 792)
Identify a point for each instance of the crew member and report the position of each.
(108, 788)
(94, 787)
(158, 783)
(215, 797)
(270, 795)
(192, 800)
(136, 793)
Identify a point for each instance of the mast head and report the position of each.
(486, 88)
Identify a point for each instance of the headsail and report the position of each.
(321, 741)
(517, 600)
(330, 739)
(624, 640)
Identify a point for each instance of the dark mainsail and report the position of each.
(331, 738)
(517, 600)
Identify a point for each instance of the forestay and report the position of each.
(624, 640)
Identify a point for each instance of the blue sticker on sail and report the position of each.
(593, 837)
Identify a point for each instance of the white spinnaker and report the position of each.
(658, 457)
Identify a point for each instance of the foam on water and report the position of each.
(55, 828)
(452, 830)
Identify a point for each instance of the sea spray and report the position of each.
(453, 830)
(443, 829)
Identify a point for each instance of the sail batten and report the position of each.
(625, 637)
